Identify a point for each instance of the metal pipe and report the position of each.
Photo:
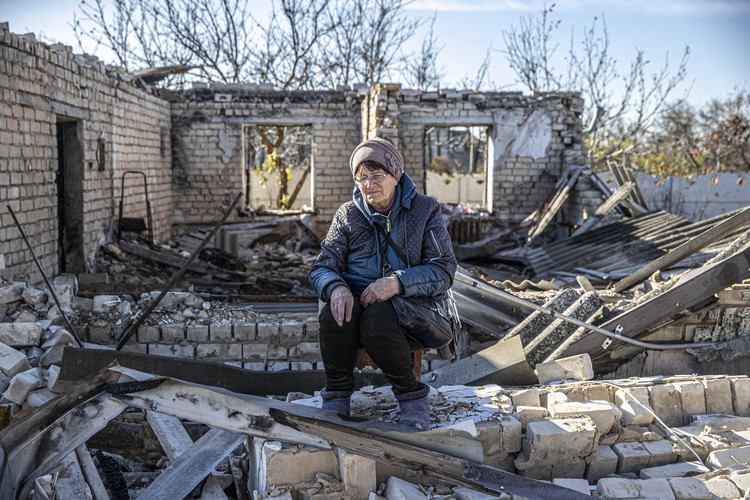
(129, 330)
(616, 336)
(44, 275)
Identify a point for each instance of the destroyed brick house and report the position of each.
(604, 349)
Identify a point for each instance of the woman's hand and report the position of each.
(342, 302)
(380, 291)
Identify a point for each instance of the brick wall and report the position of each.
(43, 86)
(207, 176)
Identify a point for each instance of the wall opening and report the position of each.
(456, 164)
(70, 197)
(278, 166)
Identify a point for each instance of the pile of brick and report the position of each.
(681, 437)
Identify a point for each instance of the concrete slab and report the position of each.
(729, 457)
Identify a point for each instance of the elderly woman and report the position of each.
(359, 271)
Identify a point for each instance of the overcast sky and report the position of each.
(717, 31)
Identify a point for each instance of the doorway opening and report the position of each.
(70, 197)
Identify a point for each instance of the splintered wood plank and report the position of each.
(190, 468)
(172, 436)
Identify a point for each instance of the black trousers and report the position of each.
(377, 330)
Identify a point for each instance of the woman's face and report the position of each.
(379, 195)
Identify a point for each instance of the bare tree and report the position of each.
(421, 68)
(631, 99)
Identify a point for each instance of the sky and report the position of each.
(717, 31)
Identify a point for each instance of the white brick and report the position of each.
(741, 396)
(689, 488)
(22, 384)
(20, 334)
(574, 367)
(12, 362)
(358, 474)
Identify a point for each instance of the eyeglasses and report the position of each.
(376, 178)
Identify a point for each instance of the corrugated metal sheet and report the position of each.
(617, 249)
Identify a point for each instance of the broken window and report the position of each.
(456, 164)
(278, 163)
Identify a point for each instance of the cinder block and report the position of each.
(601, 412)
(511, 433)
(732, 456)
(358, 474)
(306, 351)
(631, 457)
(654, 488)
(526, 397)
(592, 393)
(615, 487)
(245, 331)
(627, 394)
(636, 413)
(718, 395)
(689, 488)
(291, 333)
(285, 463)
(12, 362)
(220, 333)
(312, 329)
(722, 488)
(741, 396)
(100, 334)
(173, 333)
(660, 452)
(267, 330)
(197, 333)
(577, 436)
(692, 397)
(254, 352)
(579, 485)
(22, 384)
(601, 465)
(680, 469)
(20, 334)
(147, 334)
(172, 350)
(571, 368)
(528, 414)
(665, 401)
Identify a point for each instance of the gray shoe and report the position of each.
(415, 408)
(338, 401)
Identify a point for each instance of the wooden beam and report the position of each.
(688, 248)
(609, 204)
(692, 289)
(172, 436)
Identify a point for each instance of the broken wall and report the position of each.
(207, 127)
(69, 128)
(532, 139)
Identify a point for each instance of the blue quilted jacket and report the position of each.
(352, 251)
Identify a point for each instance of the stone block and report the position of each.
(277, 366)
(630, 393)
(741, 396)
(358, 474)
(692, 397)
(220, 333)
(741, 480)
(731, 456)
(306, 351)
(245, 331)
(34, 296)
(197, 333)
(592, 393)
(722, 488)
(170, 300)
(631, 457)
(576, 436)
(490, 434)
(717, 421)
(53, 375)
(82, 304)
(571, 368)
(660, 452)
(312, 329)
(285, 463)
(148, 334)
(511, 433)
(12, 362)
(579, 485)
(267, 330)
(25, 317)
(172, 350)
(53, 348)
(100, 334)
(615, 487)
(22, 384)
(291, 333)
(689, 488)
(636, 413)
(552, 398)
(12, 293)
(105, 303)
(665, 401)
(398, 489)
(602, 464)
(462, 493)
(718, 395)
(526, 397)
(526, 414)
(680, 469)
(39, 397)
(20, 334)
(173, 333)
(601, 412)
